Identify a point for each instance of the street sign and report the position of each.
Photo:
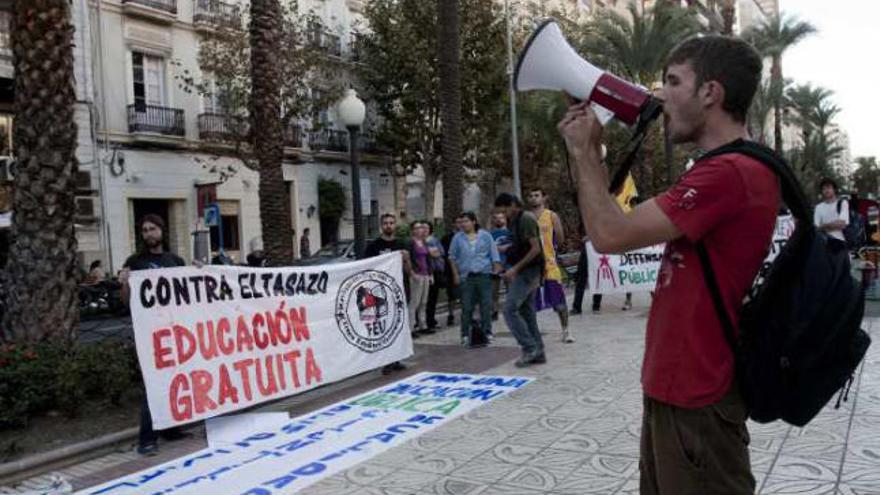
(212, 215)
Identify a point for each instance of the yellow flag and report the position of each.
(627, 193)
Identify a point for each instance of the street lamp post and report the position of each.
(352, 111)
(514, 142)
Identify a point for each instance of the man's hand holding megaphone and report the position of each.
(582, 131)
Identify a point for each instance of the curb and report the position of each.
(12, 472)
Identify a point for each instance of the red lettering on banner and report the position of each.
(207, 349)
(227, 347)
(270, 388)
(159, 351)
(227, 391)
(279, 369)
(242, 367)
(291, 358)
(181, 407)
(201, 385)
(261, 338)
(312, 369)
(300, 327)
(243, 336)
(185, 342)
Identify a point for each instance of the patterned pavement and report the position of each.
(575, 430)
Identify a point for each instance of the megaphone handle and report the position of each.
(627, 164)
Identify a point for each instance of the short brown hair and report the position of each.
(155, 220)
(732, 62)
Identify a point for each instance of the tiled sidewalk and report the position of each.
(575, 430)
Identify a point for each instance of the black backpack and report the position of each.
(854, 233)
(800, 337)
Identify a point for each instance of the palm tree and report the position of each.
(728, 15)
(806, 100)
(773, 38)
(268, 142)
(42, 271)
(637, 46)
(449, 56)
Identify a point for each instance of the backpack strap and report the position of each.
(792, 195)
(715, 291)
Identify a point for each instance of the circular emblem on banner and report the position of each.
(370, 309)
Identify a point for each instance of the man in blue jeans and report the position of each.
(524, 276)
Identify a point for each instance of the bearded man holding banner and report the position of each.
(694, 437)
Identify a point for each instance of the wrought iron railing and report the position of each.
(217, 12)
(151, 118)
(221, 127)
(169, 6)
(328, 140)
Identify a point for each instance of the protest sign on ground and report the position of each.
(287, 458)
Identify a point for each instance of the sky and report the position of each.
(844, 56)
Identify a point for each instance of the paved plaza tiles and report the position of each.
(575, 430)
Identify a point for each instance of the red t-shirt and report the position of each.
(730, 203)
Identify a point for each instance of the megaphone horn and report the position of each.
(548, 61)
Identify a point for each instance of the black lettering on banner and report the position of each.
(163, 291)
(147, 301)
(243, 286)
(211, 290)
(181, 291)
(197, 281)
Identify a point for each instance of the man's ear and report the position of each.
(712, 92)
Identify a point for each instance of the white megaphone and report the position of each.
(549, 62)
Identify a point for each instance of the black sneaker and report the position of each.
(450, 321)
(429, 331)
(416, 334)
(576, 311)
(539, 358)
(148, 449)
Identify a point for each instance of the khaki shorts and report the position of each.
(696, 451)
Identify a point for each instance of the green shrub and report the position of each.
(38, 378)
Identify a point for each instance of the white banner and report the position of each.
(287, 458)
(635, 271)
(217, 339)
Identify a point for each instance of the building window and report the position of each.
(148, 76)
(231, 240)
(5, 30)
(213, 101)
(320, 112)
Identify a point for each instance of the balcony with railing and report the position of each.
(211, 13)
(156, 119)
(367, 144)
(325, 40)
(328, 140)
(222, 128)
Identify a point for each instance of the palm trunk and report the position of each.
(728, 14)
(41, 275)
(776, 74)
(430, 185)
(449, 54)
(265, 33)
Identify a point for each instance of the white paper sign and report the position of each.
(285, 459)
(635, 271)
(218, 339)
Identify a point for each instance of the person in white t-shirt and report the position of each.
(831, 215)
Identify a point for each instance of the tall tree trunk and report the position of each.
(728, 14)
(776, 74)
(41, 275)
(430, 186)
(449, 48)
(265, 33)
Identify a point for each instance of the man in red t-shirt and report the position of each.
(694, 436)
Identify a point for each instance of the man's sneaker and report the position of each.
(627, 305)
(428, 331)
(530, 359)
(567, 337)
(465, 341)
(539, 358)
(576, 311)
(415, 334)
(148, 449)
